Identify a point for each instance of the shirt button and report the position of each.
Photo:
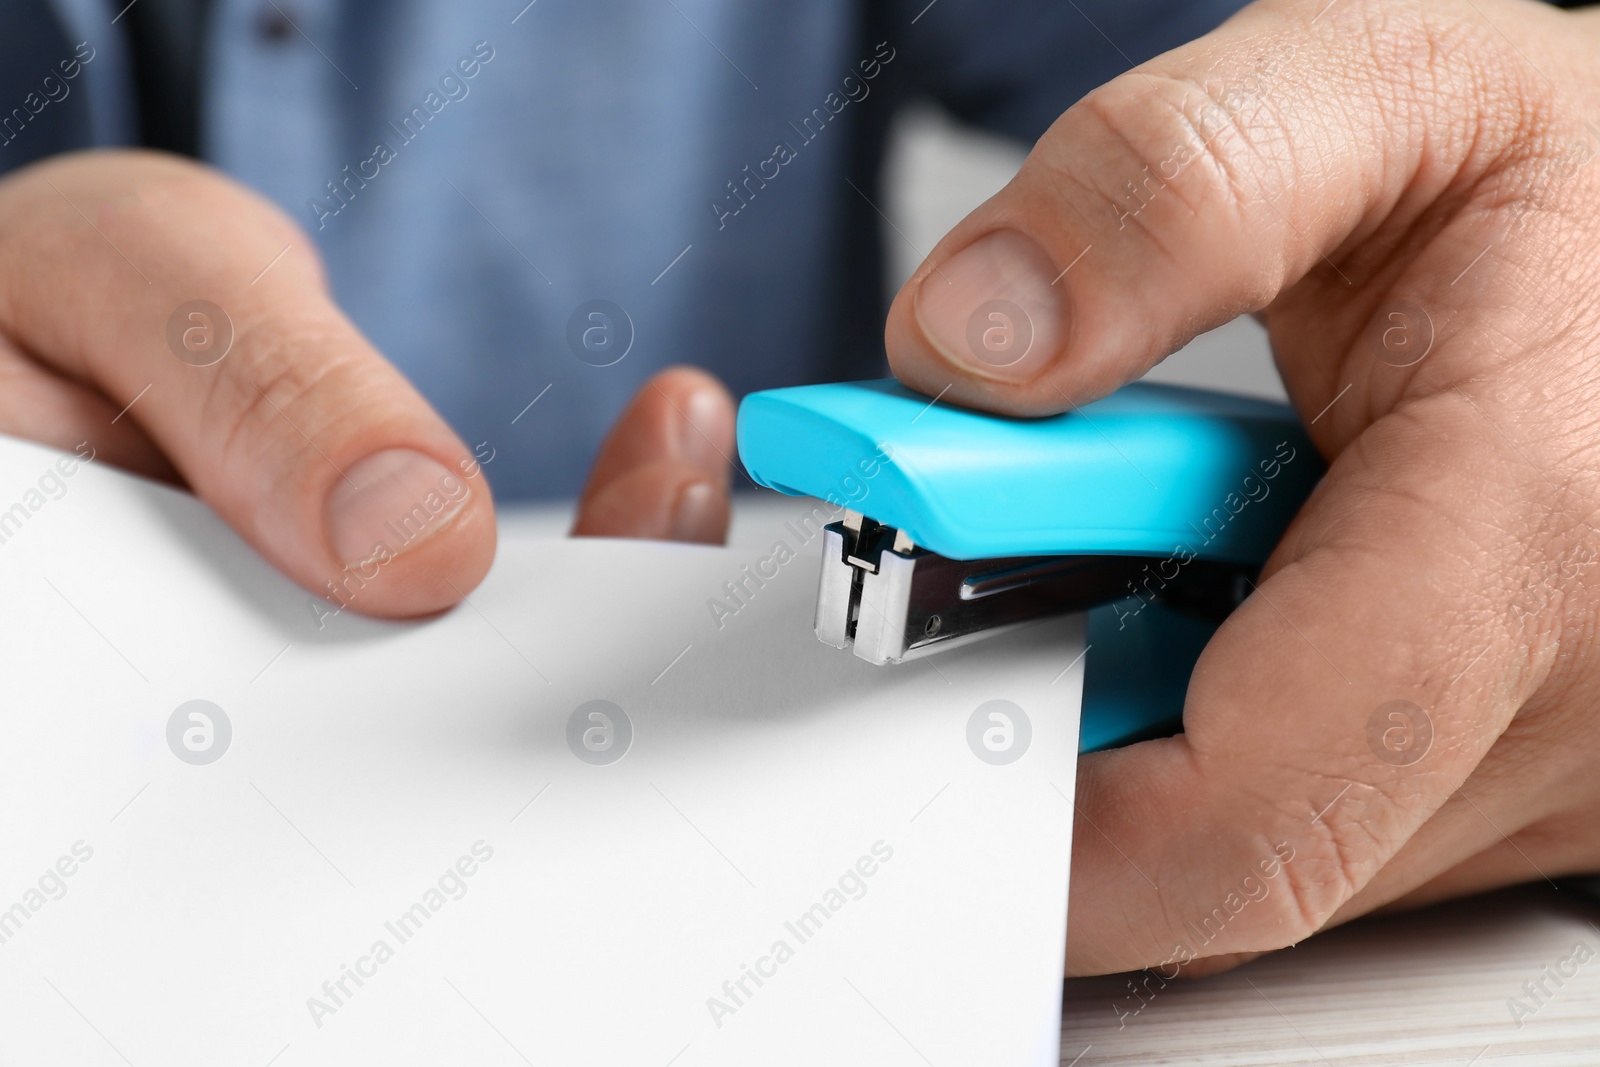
(273, 25)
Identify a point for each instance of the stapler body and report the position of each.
(1155, 506)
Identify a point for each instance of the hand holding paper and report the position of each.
(268, 403)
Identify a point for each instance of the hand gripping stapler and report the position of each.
(1155, 507)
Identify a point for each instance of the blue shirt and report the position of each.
(475, 172)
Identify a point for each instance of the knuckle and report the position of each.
(1336, 856)
(1480, 89)
(262, 410)
(1309, 855)
(1314, 868)
(1299, 103)
(1175, 147)
(1207, 130)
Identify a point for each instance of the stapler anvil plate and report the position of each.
(1156, 506)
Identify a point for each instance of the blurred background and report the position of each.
(937, 171)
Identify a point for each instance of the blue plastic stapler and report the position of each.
(1153, 509)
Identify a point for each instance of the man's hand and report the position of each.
(1406, 707)
(277, 412)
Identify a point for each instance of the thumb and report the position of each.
(202, 313)
(1199, 186)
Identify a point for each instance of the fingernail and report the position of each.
(697, 514)
(993, 309)
(695, 429)
(388, 502)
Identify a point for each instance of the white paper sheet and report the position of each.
(612, 911)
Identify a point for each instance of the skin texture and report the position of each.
(96, 252)
(1404, 192)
